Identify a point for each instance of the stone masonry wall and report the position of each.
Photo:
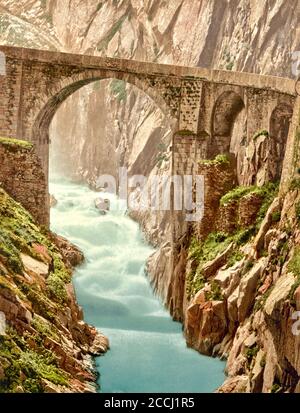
(22, 177)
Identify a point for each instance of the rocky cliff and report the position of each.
(45, 346)
(235, 286)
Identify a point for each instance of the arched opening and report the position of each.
(279, 130)
(227, 123)
(107, 124)
(81, 86)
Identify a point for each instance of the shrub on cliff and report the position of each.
(26, 295)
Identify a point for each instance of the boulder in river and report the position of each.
(103, 205)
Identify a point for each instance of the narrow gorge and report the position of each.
(220, 302)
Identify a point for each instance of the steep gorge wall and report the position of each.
(234, 281)
(45, 346)
(217, 311)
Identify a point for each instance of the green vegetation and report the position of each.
(40, 302)
(294, 267)
(26, 361)
(99, 6)
(295, 184)
(9, 251)
(162, 155)
(229, 59)
(235, 257)
(13, 143)
(118, 89)
(44, 327)
(249, 264)
(25, 367)
(251, 353)
(203, 252)
(229, 66)
(18, 233)
(221, 159)
(215, 293)
(294, 264)
(244, 235)
(57, 280)
(297, 210)
(262, 132)
(214, 244)
(103, 44)
(268, 191)
(261, 301)
(263, 361)
(276, 216)
(56, 288)
(236, 194)
(276, 388)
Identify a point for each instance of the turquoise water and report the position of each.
(148, 351)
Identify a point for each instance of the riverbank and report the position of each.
(45, 346)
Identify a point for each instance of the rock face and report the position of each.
(234, 282)
(71, 254)
(45, 344)
(245, 311)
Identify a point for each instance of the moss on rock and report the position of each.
(26, 363)
(15, 143)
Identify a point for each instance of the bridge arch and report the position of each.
(58, 92)
(226, 110)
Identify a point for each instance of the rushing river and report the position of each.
(148, 352)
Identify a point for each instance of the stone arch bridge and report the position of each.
(204, 107)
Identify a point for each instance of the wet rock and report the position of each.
(71, 254)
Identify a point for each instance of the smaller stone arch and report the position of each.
(279, 130)
(225, 113)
